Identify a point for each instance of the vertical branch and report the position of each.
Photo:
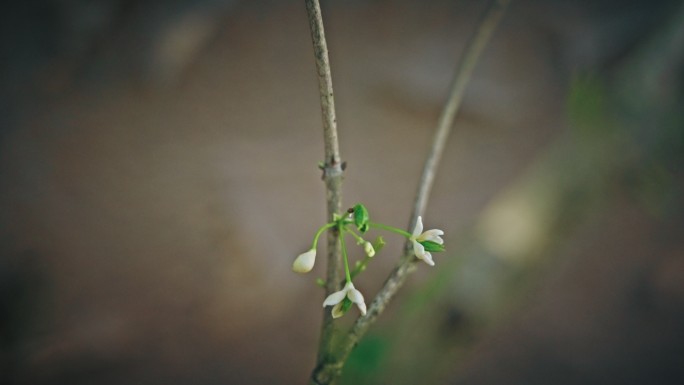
(331, 369)
(332, 167)
(332, 150)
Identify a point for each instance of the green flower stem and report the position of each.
(320, 231)
(390, 228)
(344, 255)
(361, 267)
(358, 238)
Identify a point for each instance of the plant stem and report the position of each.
(320, 231)
(360, 267)
(346, 259)
(332, 175)
(363, 263)
(463, 74)
(390, 228)
(331, 370)
(358, 238)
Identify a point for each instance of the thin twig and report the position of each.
(463, 74)
(332, 167)
(398, 276)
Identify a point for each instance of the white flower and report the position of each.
(368, 248)
(420, 236)
(337, 297)
(304, 262)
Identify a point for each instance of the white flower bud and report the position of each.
(304, 262)
(368, 248)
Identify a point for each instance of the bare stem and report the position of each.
(464, 72)
(327, 371)
(332, 175)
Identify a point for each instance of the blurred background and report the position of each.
(158, 176)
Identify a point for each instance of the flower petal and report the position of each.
(304, 262)
(432, 235)
(427, 257)
(356, 297)
(420, 252)
(419, 227)
(335, 298)
(337, 310)
(418, 249)
(362, 307)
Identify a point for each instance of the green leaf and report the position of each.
(361, 217)
(432, 246)
(320, 282)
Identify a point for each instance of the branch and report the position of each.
(330, 370)
(332, 167)
(463, 74)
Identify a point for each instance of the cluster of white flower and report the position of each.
(423, 243)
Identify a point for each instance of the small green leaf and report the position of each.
(320, 282)
(361, 217)
(432, 246)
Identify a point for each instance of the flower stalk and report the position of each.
(424, 243)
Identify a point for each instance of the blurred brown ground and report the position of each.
(158, 176)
